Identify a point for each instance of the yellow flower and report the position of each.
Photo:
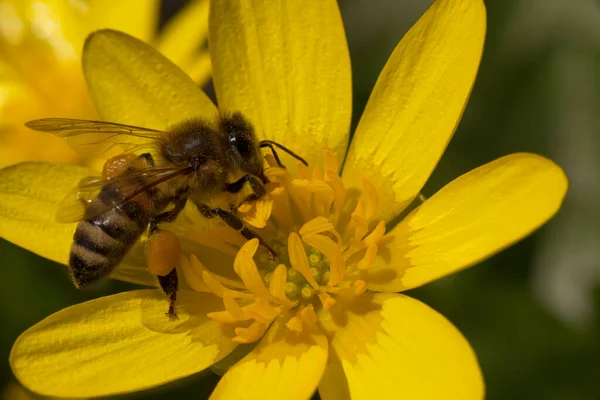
(327, 315)
(40, 53)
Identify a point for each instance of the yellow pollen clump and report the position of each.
(323, 240)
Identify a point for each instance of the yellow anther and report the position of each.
(308, 315)
(326, 300)
(246, 269)
(213, 285)
(316, 225)
(233, 307)
(369, 258)
(371, 200)
(298, 258)
(294, 324)
(250, 334)
(331, 163)
(375, 236)
(277, 285)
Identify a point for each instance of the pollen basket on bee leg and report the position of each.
(163, 252)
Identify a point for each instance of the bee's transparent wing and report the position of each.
(74, 207)
(96, 138)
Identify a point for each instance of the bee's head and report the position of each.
(242, 146)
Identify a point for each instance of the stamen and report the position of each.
(339, 190)
(261, 213)
(246, 269)
(371, 200)
(375, 236)
(278, 282)
(251, 333)
(332, 251)
(369, 258)
(316, 225)
(213, 285)
(294, 324)
(233, 307)
(222, 317)
(199, 268)
(298, 258)
(331, 163)
(326, 300)
(193, 277)
(262, 311)
(308, 315)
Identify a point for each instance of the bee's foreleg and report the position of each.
(169, 284)
(236, 223)
(258, 189)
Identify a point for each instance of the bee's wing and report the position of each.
(93, 138)
(74, 207)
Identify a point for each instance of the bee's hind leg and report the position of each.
(169, 284)
(164, 252)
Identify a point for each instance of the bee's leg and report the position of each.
(169, 284)
(256, 185)
(169, 216)
(236, 223)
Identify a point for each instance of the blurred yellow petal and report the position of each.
(417, 103)
(30, 194)
(285, 64)
(138, 18)
(471, 218)
(34, 34)
(131, 83)
(183, 35)
(284, 365)
(119, 344)
(394, 347)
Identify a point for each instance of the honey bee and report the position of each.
(150, 183)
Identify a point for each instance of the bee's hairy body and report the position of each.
(101, 241)
(196, 161)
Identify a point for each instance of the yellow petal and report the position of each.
(184, 34)
(391, 346)
(473, 217)
(284, 365)
(138, 18)
(285, 64)
(30, 194)
(119, 344)
(417, 103)
(131, 83)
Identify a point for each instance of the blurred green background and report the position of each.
(532, 312)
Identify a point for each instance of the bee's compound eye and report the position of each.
(241, 143)
(164, 252)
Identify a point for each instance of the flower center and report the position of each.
(297, 288)
(324, 242)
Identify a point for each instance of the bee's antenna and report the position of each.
(270, 144)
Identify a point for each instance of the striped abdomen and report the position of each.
(101, 240)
